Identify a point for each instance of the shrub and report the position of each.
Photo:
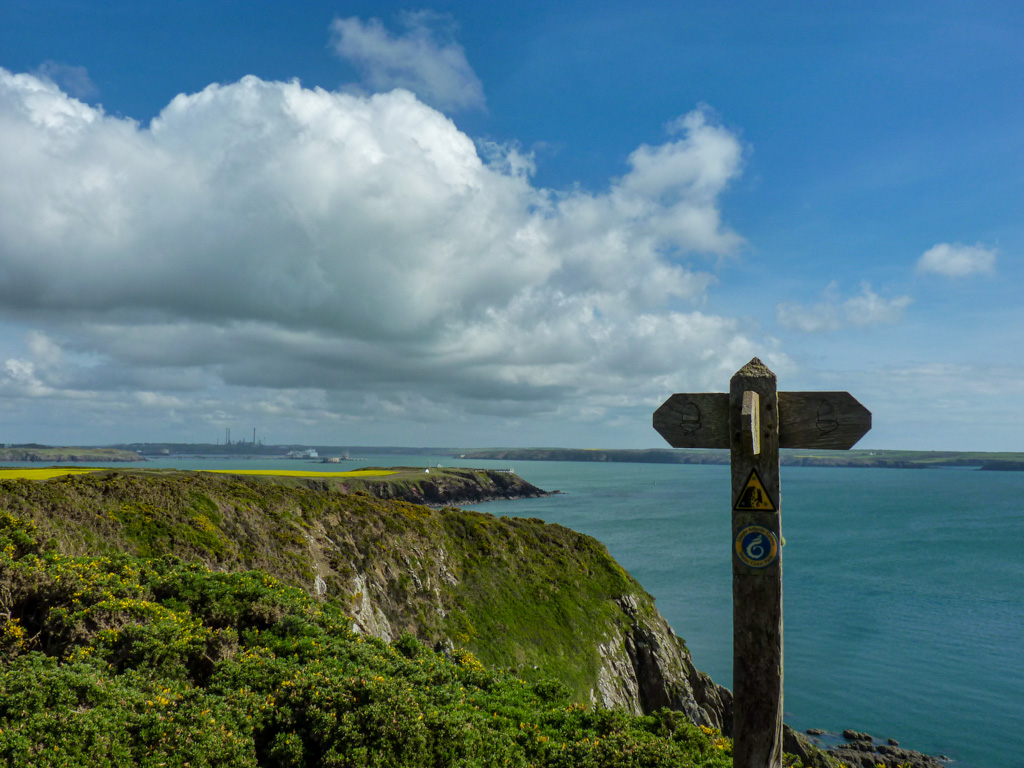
(124, 661)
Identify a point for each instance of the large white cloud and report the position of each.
(271, 238)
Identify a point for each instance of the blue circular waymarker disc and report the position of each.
(756, 546)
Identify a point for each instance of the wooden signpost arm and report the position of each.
(757, 585)
(831, 420)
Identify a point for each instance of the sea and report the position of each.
(903, 589)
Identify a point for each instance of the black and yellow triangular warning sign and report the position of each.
(754, 497)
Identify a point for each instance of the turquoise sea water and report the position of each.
(903, 589)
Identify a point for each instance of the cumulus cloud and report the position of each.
(424, 60)
(295, 251)
(957, 260)
(833, 313)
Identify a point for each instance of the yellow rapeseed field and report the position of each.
(44, 473)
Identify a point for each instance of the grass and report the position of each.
(520, 594)
(124, 661)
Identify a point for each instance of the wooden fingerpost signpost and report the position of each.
(754, 421)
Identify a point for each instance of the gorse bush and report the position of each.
(124, 661)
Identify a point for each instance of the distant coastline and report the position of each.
(794, 458)
(858, 458)
(50, 454)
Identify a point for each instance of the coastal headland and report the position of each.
(288, 611)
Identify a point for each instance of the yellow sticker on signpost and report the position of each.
(754, 497)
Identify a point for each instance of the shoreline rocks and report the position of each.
(859, 750)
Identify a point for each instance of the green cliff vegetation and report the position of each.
(118, 660)
(540, 602)
(444, 574)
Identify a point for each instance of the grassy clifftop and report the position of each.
(123, 661)
(540, 600)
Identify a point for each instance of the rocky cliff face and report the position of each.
(618, 652)
(648, 667)
(540, 599)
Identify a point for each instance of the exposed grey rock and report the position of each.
(811, 755)
(856, 736)
(367, 616)
(868, 755)
(664, 673)
(616, 679)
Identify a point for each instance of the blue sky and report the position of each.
(476, 224)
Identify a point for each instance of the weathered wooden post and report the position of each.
(754, 420)
(756, 568)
